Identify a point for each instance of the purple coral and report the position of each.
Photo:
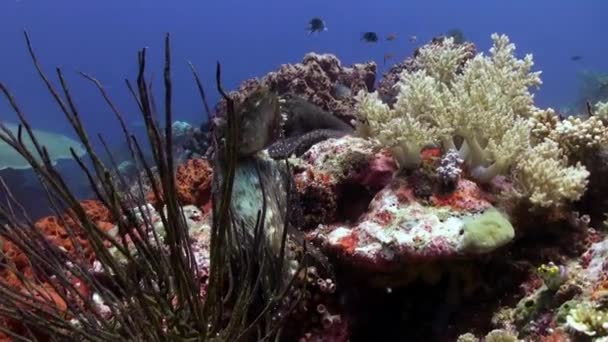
(450, 168)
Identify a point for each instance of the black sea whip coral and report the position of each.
(152, 291)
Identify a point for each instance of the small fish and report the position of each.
(316, 24)
(387, 57)
(370, 37)
(576, 58)
(457, 35)
(412, 39)
(391, 37)
(341, 91)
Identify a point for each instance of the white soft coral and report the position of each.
(486, 102)
(399, 130)
(543, 175)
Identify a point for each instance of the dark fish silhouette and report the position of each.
(316, 25)
(457, 35)
(387, 57)
(391, 37)
(370, 37)
(576, 58)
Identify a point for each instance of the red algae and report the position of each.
(430, 155)
(384, 217)
(348, 243)
(467, 196)
(404, 194)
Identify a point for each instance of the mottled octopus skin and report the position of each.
(305, 125)
(300, 144)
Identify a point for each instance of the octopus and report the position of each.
(305, 124)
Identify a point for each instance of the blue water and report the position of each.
(251, 38)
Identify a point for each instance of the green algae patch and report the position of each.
(487, 232)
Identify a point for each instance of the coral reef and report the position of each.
(482, 108)
(54, 228)
(485, 104)
(63, 232)
(601, 110)
(193, 180)
(315, 79)
(154, 273)
(545, 179)
(189, 141)
(345, 170)
(455, 211)
(398, 230)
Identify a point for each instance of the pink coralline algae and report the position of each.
(398, 229)
(199, 227)
(466, 196)
(341, 170)
(595, 261)
(315, 79)
(378, 173)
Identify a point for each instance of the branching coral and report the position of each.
(403, 132)
(542, 122)
(442, 60)
(486, 102)
(587, 319)
(484, 110)
(575, 135)
(543, 174)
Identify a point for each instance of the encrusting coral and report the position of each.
(193, 181)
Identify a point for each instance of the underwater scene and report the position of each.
(304, 171)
